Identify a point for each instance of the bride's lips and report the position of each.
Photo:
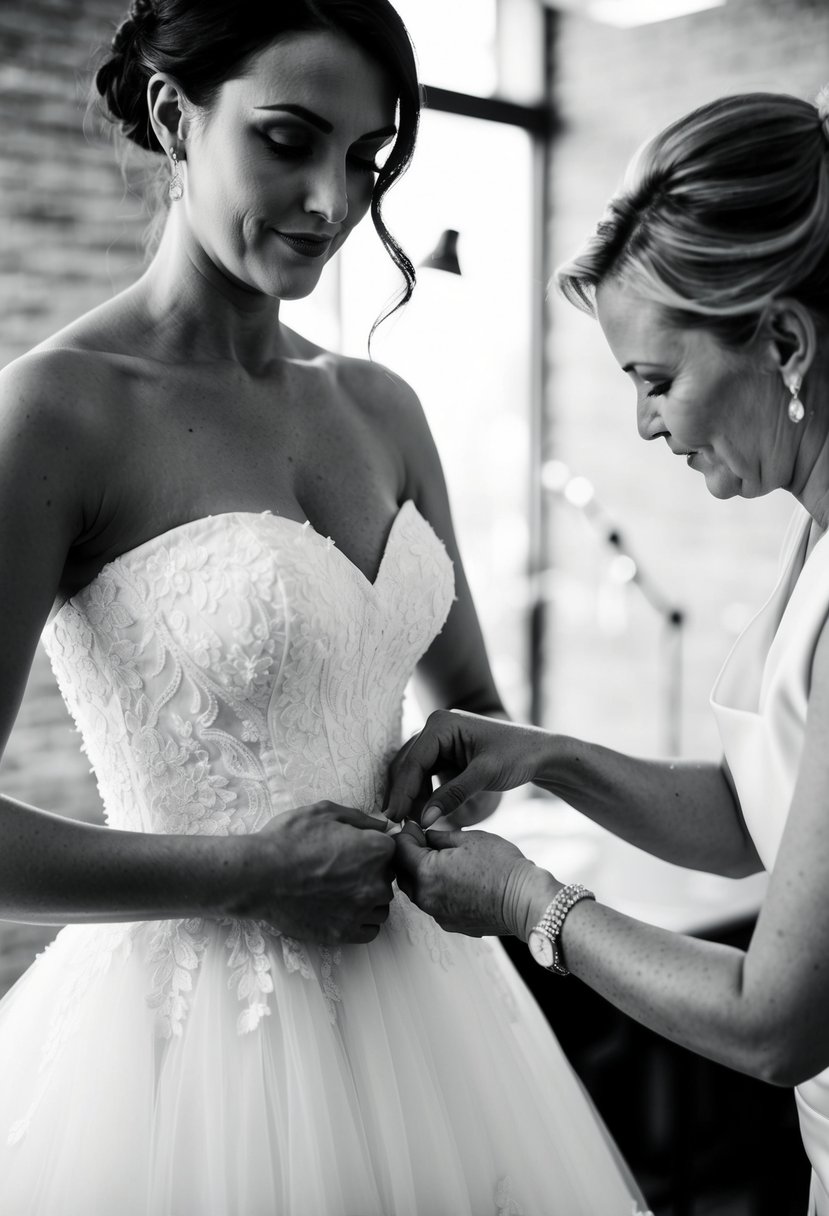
(306, 243)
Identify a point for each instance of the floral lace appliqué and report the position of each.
(229, 670)
(422, 930)
(176, 949)
(329, 959)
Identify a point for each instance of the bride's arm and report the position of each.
(455, 671)
(310, 873)
(52, 869)
(318, 873)
(56, 871)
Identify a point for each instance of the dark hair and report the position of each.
(203, 43)
(719, 214)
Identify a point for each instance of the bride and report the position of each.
(246, 545)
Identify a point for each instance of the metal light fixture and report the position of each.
(445, 254)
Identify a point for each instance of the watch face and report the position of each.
(541, 948)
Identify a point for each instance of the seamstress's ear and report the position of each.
(789, 337)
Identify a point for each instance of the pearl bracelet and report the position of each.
(552, 921)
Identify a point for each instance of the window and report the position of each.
(456, 42)
(468, 343)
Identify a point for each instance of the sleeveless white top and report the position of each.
(760, 700)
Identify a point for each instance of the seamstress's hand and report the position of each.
(472, 882)
(475, 810)
(470, 754)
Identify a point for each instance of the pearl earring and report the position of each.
(176, 186)
(796, 410)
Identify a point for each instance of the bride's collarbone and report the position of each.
(363, 541)
(165, 489)
(195, 450)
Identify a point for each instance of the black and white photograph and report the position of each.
(414, 787)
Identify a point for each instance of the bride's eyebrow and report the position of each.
(322, 124)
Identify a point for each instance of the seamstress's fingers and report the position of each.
(453, 794)
(410, 828)
(410, 773)
(446, 840)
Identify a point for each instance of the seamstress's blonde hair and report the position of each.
(720, 213)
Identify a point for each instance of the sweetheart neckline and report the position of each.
(302, 525)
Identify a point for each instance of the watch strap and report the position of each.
(552, 921)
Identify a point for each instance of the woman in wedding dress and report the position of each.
(709, 276)
(247, 549)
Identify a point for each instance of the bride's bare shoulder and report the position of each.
(60, 386)
(60, 406)
(371, 386)
(84, 368)
(379, 390)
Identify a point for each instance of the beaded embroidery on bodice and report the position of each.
(226, 671)
(221, 673)
(240, 665)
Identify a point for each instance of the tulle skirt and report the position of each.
(206, 1069)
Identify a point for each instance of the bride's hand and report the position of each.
(320, 873)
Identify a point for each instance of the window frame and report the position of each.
(541, 123)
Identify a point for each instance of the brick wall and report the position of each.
(71, 229)
(614, 87)
(70, 236)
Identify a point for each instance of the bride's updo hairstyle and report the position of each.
(722, 212)
(203, 43)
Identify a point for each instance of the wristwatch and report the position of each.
(545, 939)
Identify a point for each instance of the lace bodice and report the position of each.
(221, 673)
(240, 665)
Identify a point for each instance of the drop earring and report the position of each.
(176, 186)
(796, 410)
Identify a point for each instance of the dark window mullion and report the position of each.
(538, 120)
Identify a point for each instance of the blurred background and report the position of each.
(609, 584)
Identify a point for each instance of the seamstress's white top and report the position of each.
(760, 700)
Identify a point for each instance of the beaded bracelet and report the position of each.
(552, 921)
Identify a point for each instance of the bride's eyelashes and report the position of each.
(659, 390)
(300, 151)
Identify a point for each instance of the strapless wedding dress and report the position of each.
(224, 672)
